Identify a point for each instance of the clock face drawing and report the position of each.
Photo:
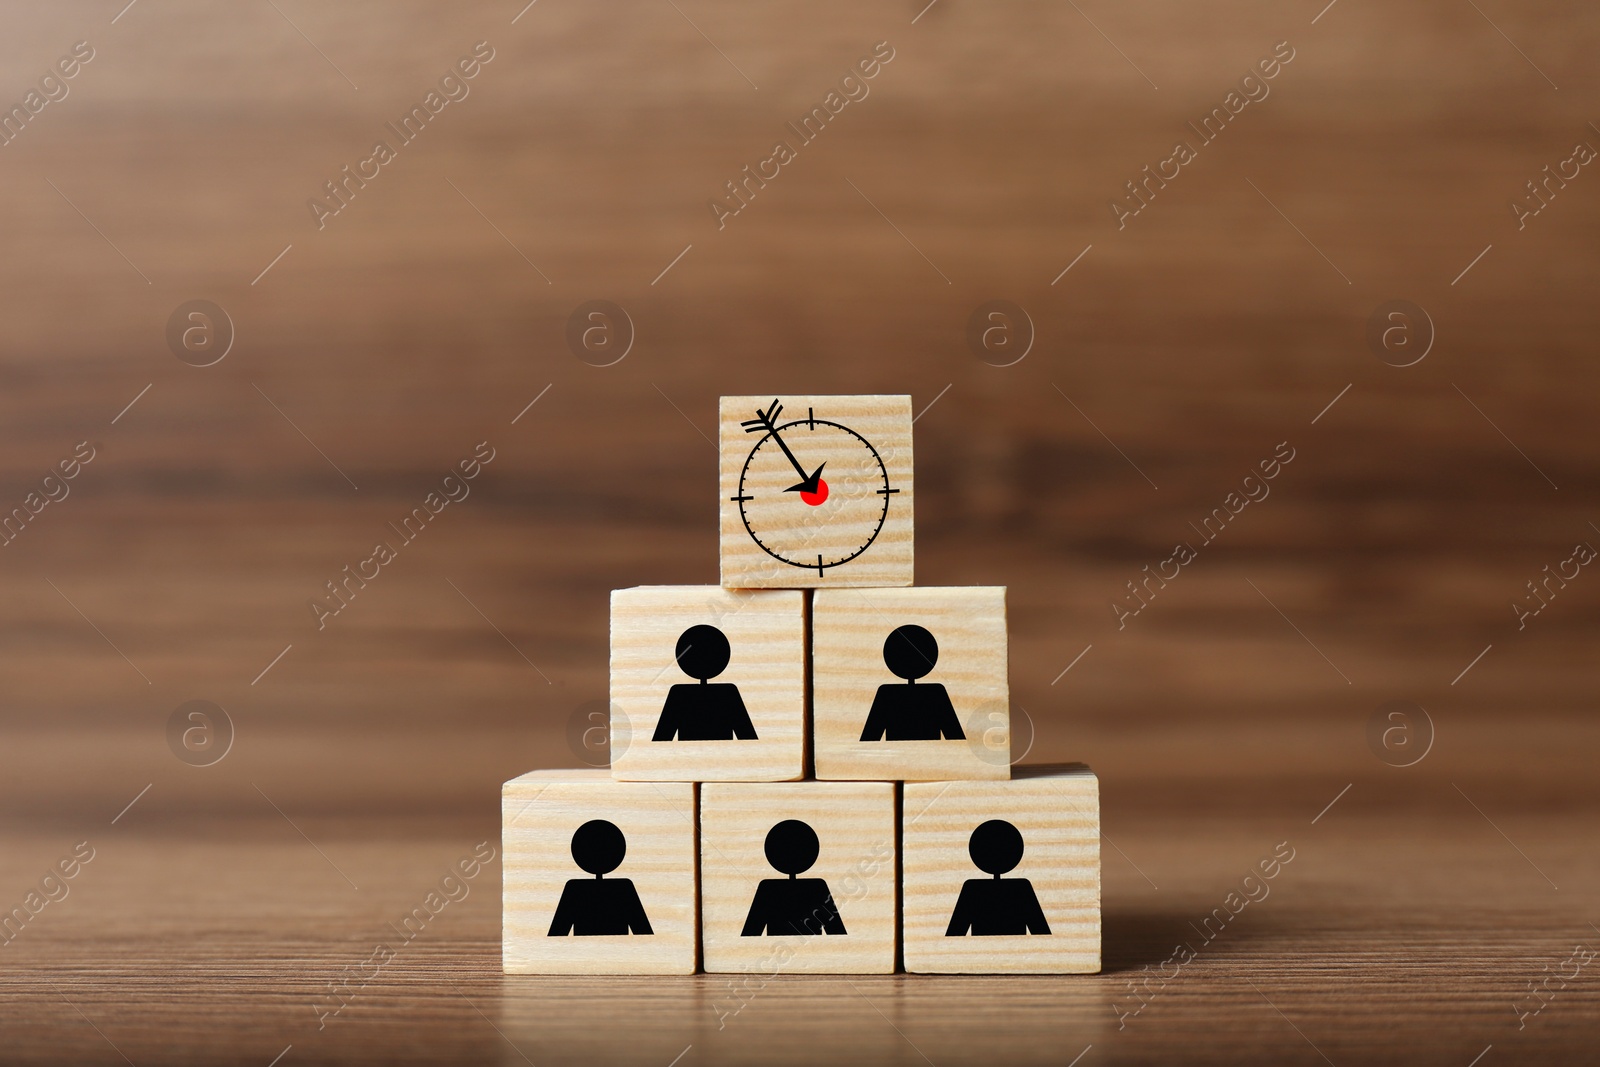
(810, 476)
(816, 491)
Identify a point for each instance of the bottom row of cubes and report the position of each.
(980, 877)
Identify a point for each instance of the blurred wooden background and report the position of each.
(373, 354)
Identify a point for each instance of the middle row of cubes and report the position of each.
(710, 684)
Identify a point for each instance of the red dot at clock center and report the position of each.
(818, 497)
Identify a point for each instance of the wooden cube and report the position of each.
(910, 684)
(599, 875)
(815, 491)
(708, 684)
(798, 877)
(1003, 877)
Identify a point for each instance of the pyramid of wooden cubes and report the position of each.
(810, 762)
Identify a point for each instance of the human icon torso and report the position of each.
(785, 906)
(906, 711)
(592, 906)
(704, 711)
(997, 906)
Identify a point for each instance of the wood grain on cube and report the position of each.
(857, 533)
(756, 704)
(540, 813)
(854, 825)
(1056, 811)
(857, 693)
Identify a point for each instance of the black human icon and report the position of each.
(911, 712)
(599, 905)
(703, 711)
(792, 905)
(996, 906)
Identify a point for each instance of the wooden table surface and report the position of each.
(1242, 707)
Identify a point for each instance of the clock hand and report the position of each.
(811, 482)
(767, 420)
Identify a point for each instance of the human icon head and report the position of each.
(598, 847)
(792, 847)
(910, 652)
(703, 652)
(995, 847)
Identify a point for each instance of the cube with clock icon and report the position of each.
(815, 491)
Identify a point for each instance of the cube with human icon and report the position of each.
(910, 684)
(598, 875)
(708, 684)
(798, 877)
(1002, 877)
